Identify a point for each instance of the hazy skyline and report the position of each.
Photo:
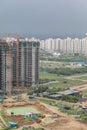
(41, 17)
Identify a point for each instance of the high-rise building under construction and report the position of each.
(18, 64)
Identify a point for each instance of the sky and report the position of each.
(44, 17)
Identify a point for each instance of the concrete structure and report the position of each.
(66, 46)
(18, 64)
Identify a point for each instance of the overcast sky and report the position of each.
(41, 17)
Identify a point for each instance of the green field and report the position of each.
(62, 81)
(51, 64)
(82, 78)
(22, 110)
(84, 93)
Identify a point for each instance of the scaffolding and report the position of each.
(19, 65)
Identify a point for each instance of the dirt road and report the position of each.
(79, 87)
(64, 122)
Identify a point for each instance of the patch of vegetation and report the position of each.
(82, 77)
(67, 109)
(84, 117)
(45, 80)
(56, 89)
(61, 81)
(29, 119)
(50, 102)
(2, 113)
(63, 57)
(84, 93)
(67, 71)
(70, 98)
(58, 83)
(62, 107)
(6, 128)
(7, 119)
(40, 89)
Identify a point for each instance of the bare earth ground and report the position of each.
(63, 122)
(66, 124)
(79, 87)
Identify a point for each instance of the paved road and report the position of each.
(79, 87)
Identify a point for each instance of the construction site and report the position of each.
(19, 75)
(31, 114)
(18, 64)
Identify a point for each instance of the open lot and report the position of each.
(48, 107)
(63, 81)
(82, 77)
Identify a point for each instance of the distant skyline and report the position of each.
(44, 18)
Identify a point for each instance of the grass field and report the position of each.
(82, 78)
(62, 81)
(84, 93)
(22, 110)
(51, 64)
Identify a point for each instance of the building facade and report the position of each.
(19, 61)
(66, 46)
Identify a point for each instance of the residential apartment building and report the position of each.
(66, 46)
(19, 61)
